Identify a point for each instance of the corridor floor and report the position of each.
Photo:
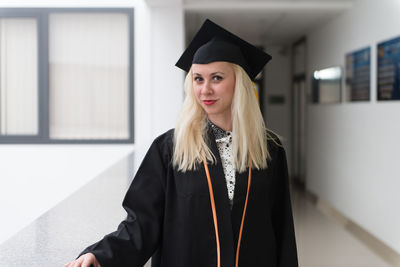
(321, 242)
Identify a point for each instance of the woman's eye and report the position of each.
(198, 79)
(217, 78)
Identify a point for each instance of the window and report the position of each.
(66, 76)
(18, 76)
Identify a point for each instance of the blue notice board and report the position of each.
(358, 73)
(388, 70)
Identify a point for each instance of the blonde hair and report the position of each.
(249, 134)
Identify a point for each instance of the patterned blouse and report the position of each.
(224, 143)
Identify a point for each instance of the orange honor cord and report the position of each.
(215, 215)
(255, 92)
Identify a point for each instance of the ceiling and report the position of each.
(264, 22)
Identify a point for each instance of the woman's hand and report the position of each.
(84, 261)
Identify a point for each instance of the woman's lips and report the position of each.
(209, 102)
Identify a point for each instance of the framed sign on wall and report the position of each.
(358, 75)
(388, 79)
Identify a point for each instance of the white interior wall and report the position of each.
(353, 147)
(277, 81)
(167, 24)
(37, 177)
(159, 84)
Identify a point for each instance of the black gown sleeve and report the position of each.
(137, 237)
(282, 214)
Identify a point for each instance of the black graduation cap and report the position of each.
(213, 43)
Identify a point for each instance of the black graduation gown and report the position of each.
(170, 215)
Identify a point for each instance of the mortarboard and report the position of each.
(213, 43)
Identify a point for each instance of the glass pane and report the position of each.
(18, 76)
(327, 84)
(89, 76)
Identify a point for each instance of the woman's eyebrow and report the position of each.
(211, 74)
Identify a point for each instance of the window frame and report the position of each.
(42, 16)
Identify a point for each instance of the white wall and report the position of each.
(159, 90)
(277, 81)
(167, 24)
(353, 148)
(37, 177)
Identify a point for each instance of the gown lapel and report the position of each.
(228, 220)
(222, 205)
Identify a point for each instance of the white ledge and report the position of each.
(268, 6)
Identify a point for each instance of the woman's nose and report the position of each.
(206, 89)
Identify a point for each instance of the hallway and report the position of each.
(323, 242)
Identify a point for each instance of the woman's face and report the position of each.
(214, 85)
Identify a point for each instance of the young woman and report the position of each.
(213, 191)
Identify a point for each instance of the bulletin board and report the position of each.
(358, 75)
(388, 80)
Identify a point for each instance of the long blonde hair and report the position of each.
(249, 134)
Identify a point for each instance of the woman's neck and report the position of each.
(223, 123)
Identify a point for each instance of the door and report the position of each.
(299, 108)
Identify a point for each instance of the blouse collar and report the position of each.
(217, 131)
